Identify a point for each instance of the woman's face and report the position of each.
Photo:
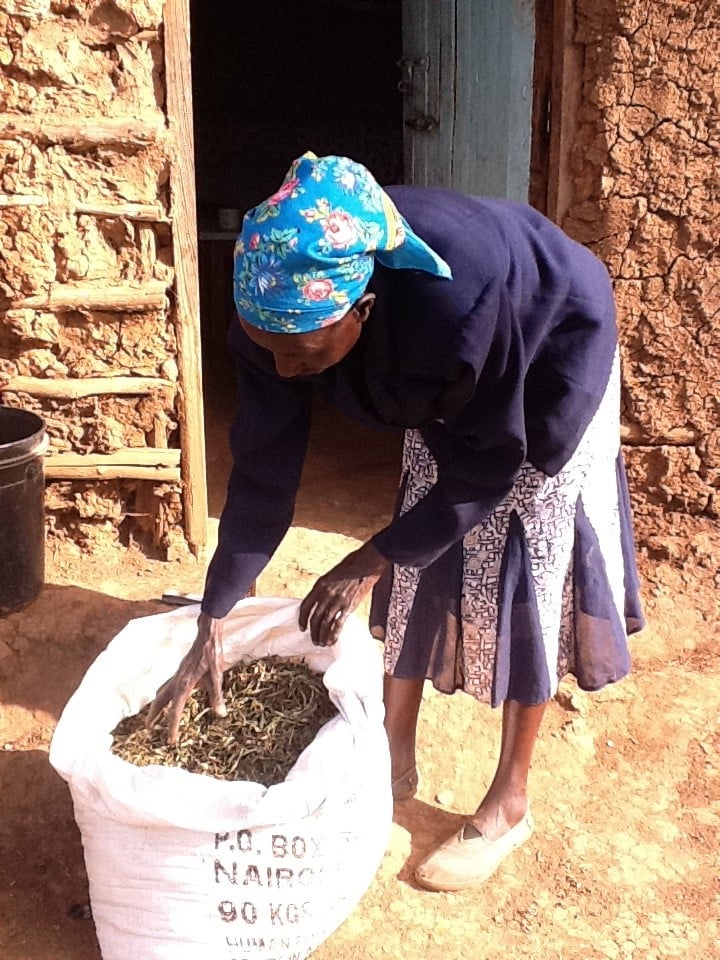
(306, 354)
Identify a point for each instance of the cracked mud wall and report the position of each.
(646, 197)
(86, 268)
(86, 259)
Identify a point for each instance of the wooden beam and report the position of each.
(565, 95)
(178, 92)
(121, 472)
(130, 298)
(132, 463)
(22, 200)
(127, 456)
(540, 126)
(88, 132)
(633, 435)
(89, 386)
(150, 212)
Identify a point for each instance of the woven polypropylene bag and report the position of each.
(186, 867)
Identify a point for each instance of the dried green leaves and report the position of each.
(275, 709)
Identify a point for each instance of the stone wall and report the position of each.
(86, 263)
(646, 197)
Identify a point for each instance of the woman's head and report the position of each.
(309, 353)
(306, 254)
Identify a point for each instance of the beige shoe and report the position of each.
(463, 862)
(406, 786)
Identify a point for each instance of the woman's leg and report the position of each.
(473, 854)
(402, 704)
(506, 802)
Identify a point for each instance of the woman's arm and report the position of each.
(268, 442)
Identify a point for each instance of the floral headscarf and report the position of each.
(306, 254)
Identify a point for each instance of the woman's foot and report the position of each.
(497, 814)
(502, 822)
(469, 857)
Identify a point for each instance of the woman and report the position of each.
(489, 336)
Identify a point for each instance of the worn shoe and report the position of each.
(406, 786)
(467, 861)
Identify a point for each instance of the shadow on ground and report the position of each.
(46, 648)
(44, 884)
(428, 827)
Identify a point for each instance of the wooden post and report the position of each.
(542, 81)
(565, 93)
(187, 308)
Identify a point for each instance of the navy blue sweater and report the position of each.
(506, 362)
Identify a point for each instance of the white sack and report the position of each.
(186, 867)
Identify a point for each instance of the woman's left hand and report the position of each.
(337, 593)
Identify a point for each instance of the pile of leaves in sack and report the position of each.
(275, 708)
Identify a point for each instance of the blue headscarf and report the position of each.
(306, 254)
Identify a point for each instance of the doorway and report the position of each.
(270, 81)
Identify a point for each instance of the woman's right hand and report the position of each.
(201, 664)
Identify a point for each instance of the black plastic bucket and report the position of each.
(22, 507)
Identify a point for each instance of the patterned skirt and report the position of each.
(546, 586)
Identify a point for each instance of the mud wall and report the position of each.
(86, 264)
(646, 197)
(87, 335)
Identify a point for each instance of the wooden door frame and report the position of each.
(558, 78)
(557, 91)
(181, 158)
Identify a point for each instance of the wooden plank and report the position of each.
(131, 298)
(542, 83)
(132, 463)
(477, 86)
(566, 92)
(22, 200)
(491, 138)
(126, 457)
(633, 435)
(121, 472)
(88, 132)
(87, 387)
(149, 212)
(178, 80)
(428, 51)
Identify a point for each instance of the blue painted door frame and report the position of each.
(467, 71)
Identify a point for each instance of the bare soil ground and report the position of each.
(626, 783)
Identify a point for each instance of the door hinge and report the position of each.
(423, 124)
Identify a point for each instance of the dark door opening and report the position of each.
(270, 81)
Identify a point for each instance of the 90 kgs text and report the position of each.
(280, 913)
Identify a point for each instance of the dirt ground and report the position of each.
(626, 783)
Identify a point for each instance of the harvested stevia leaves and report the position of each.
(275, 709)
